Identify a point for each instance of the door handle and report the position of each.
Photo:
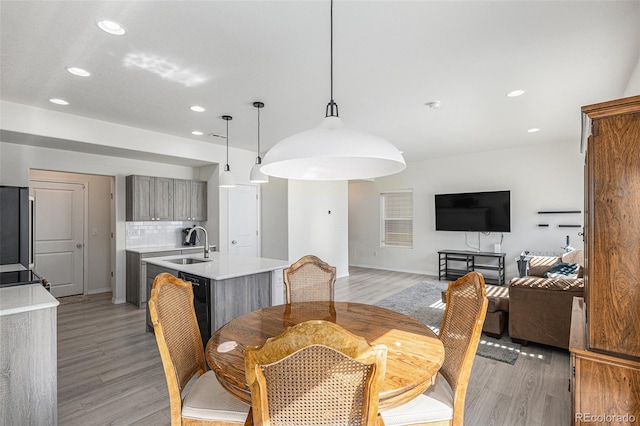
(79, 245)
(234, 242)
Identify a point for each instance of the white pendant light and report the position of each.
(226, 177)
(256, 176)
(332, 151)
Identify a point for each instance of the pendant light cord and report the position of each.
(332, 107)
(331, 48)
(226, 167)
(259, 134)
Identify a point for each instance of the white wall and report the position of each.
(274, 219)
(312, 229)
(633, 87)
(540, 177)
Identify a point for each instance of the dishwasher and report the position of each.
(201, 303)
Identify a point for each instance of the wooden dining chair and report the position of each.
(205, 401)
(315, 373)
(309, 279)
(443, 403)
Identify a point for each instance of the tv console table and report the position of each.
(467, 261)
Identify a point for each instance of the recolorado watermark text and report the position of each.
(605, 418)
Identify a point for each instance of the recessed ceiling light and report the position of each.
(78, 71)
(197, 133)
(111, 27)
(515, 93)
(533, 130)
(197, 108)
(58, 101)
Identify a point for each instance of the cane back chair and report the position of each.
(315, 373)
(443, 403)
(204, 402)
(309, 279)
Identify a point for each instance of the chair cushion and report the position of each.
(436, 404)
(206, 399)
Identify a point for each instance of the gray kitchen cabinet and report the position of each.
(149, 198)
(136, 290)
(190, 200)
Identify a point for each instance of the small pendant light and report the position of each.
(256, 176)
(226, 177)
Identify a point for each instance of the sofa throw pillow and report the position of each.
(563, 270)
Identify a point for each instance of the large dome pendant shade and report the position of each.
(226, 179)
(255, 175)
(332, 151)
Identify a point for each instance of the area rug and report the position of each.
(424, 302)
(73, 299)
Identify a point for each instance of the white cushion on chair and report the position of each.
(436, 404)
(206, 399)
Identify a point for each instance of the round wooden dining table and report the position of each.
(414, 353)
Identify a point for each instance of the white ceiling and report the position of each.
(390, 58)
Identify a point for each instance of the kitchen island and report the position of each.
(225, 286)
(136, 293)
(28, 359)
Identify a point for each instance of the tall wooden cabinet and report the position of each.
(605, 334)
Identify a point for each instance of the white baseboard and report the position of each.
(99, 290)
(408, 271)
(118, 301)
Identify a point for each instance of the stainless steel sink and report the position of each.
(187, 260)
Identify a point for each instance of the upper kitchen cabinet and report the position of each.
(149, 198)
(190, 200)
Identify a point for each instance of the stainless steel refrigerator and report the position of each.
(16, 236)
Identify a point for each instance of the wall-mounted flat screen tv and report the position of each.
(474, 212)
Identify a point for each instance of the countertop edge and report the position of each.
(159, 249)
(43, 299)
(219, 259)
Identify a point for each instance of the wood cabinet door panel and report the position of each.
(198, 200)
(140, 198)
(606, 389)
(181, 199)
(613, 280)
(164, 198)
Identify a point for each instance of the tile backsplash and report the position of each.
(156, 234)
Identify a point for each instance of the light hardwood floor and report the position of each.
(109, 368)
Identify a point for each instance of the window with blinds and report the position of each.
(396, 219)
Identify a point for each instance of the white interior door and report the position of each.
(244, 209)
(59, 235)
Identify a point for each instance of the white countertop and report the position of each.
(221, 266)
(164, 248)
(24, 298)
(14, 267)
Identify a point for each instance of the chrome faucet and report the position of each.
(206, 239)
